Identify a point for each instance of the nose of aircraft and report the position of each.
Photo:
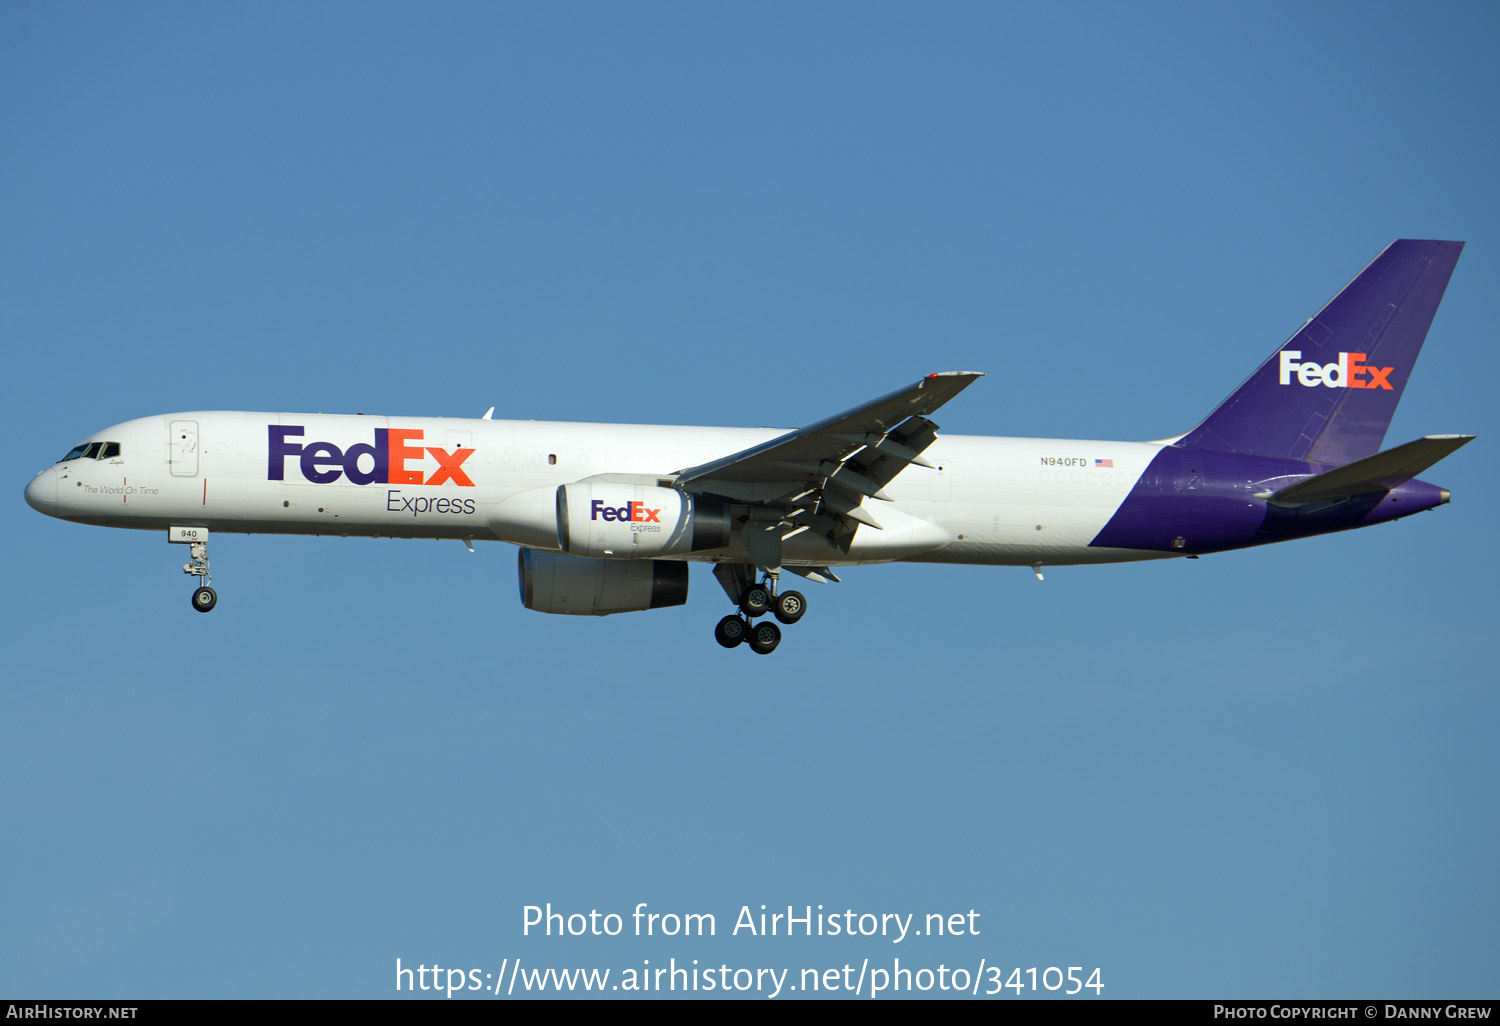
(41, 494)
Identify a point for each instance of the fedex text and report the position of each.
(631, 512)
(394, 458)
(1349, 371)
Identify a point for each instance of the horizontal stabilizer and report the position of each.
(1381, 472)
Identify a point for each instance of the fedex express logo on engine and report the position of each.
(631, 512)
(386, 461)
(1350, 371)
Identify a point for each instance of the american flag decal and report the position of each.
(1104, 463)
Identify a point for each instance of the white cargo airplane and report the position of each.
(609, 515)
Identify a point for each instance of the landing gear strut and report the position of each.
(755, 599)
(204, 597)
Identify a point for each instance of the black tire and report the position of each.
(764, 637)
(204, 599)
(789, 607)
(757, 600)
(731, 631)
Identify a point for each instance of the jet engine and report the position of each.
(551, 583)
(626, 521)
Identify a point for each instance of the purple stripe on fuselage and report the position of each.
(1195, 500)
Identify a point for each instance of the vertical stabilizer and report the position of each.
(1328, 394)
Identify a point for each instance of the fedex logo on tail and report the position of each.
(324, 462)
(631, 512)
(1350, 371)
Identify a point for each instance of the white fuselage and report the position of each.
(1012, 501)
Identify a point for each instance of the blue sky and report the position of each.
(1263, 774)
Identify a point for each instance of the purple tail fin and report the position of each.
(1329, 393)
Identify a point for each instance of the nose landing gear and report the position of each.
(204, 597)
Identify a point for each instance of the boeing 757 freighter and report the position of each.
(608, 516)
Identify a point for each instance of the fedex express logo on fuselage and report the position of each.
(386, 460)
(1350, 371)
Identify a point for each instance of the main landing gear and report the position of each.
(756, 600)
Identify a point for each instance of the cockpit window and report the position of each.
(92, 451)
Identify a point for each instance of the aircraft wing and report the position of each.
(817, 477)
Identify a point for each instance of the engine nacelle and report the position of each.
(551, 583)
(626, 521)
